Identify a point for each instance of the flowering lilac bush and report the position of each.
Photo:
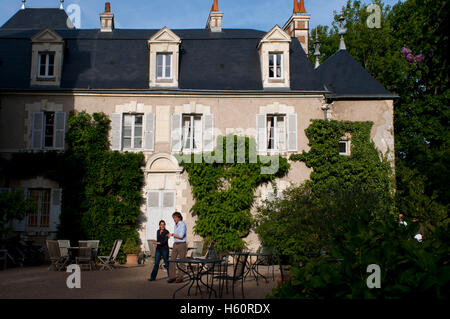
(407, 52)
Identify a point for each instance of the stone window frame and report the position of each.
(46, 41)
(164, 42)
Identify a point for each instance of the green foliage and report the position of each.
(303, 222)
(332, 171)
(409, 269)
(224, 193)
(131, 247)
(421, 115)
(110, 185)
(13, 206)
(101, 189)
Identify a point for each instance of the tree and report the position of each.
(421, 114)
(13, 206)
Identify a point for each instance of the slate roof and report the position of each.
(227, 61)
(347, 79)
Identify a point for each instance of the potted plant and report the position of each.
(132, 249)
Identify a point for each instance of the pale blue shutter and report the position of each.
(37, 138)
(261, 132)
(116, 131)
(60, 130)
(20, 225)
(55, 209)
(208, 132)
(149, 132)
(292, 133)
(177, 131)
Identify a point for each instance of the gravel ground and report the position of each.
(121, 283)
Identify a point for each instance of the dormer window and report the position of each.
(46, 58)
(164, 65)
(46, 65)
(274, 55)
(164, 59)
(276, 65)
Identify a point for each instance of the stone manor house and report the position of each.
(173, 91)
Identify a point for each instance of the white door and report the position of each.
(160, 206)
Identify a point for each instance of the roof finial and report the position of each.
(317, 49)
(299, 7)
(342, 31)
(61, 6)
(215, 6)
(23, 4)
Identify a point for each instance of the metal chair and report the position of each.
(198, 249)
(109, 261)
(238, 273)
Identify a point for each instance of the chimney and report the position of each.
(214, 23)
(298, 25)
(107, 19)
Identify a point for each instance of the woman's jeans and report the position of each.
(158, 255)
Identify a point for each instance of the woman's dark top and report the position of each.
(162, 239)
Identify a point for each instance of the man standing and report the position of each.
(179, 249)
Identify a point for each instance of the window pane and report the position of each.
(138, 120)
(127, 143)
(128, 120)
(138, 131)
(138, 143)
(187, 132)
(271, 73)
(279, 59)
(51, 59)
(127, 131)
(270, 59)
(197, 139)
(43, 59)
(49, 118)
(51, 70)
(343, 147)
(278, 72)
(159, 65)
(168, 65)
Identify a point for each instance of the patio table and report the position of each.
(195, 274)
(75, 252)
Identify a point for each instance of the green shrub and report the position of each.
(131, 247)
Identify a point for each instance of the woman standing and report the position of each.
(162, 249)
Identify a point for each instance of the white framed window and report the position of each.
(164, 65)
(344, 147)
(48, 130)
(46, 67)
(192, 133)
(40, 216)
(276, 133)
(132, 137)
(275, 65)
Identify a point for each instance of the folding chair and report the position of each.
(109, 261)
(198, 249)
(58, 261)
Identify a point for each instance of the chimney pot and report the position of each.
(108, 7)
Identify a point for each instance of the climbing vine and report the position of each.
(101, 188)
(223, 186)
(365, 167)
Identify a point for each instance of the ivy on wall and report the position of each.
(224, 192)
(365, 166)
(101, 188)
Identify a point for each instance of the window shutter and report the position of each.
(177, 132)
(208, 132)
(292, 133)
(168, 199)
(38, 131)
(153, 213)
(20, 225)
(261, 132)
(55, 209)
(149, 133)
(116, 131)
(60, 130)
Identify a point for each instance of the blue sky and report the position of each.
(184, 14)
